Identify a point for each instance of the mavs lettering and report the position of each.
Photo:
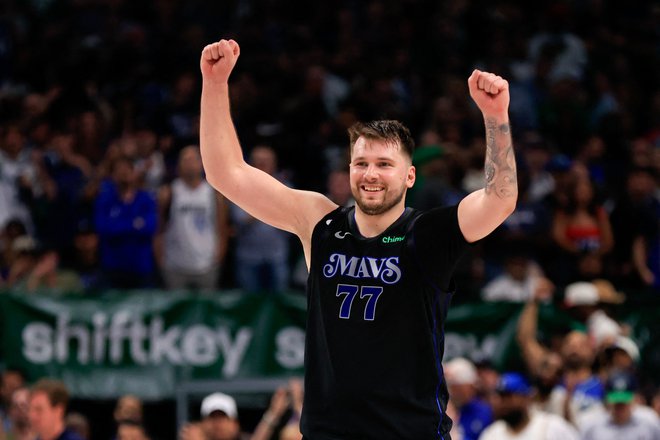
(386, 269)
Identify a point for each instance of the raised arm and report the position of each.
(480, 212)
(258, 193)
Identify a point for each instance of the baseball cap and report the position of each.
(627, 345)
(513, 383)
(219, 402)
(620, 387)
(460, 371)
(581, 293)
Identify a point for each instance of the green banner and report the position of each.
(150, 342)
(147, 342)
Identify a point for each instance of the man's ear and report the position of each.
(410, 178)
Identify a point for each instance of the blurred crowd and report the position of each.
(41, 412)
(102, 186)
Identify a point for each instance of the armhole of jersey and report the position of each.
(317, 233)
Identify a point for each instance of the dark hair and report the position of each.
(386, 130)
(55, 390)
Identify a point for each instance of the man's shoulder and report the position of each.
(495, 431)
(558, 425)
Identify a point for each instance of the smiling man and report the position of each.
(48, 404)
(380, 273)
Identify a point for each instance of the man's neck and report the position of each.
(520, 426)
(373, 225)
(192, 182)
(127, 194)
(54, 433)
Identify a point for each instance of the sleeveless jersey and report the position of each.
(375, 338)
(191, 232)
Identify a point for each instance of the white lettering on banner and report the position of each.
(467, 345)
(233, 353)
(37, 343)
(290, 351)
(121, 337)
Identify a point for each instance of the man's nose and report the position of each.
(371, 172)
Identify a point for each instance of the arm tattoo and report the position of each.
(500, 166)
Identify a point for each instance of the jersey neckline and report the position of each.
(355, 231)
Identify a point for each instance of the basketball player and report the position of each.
(380, 274)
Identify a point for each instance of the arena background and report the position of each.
(108, 75)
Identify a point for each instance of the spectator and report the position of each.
(474, 415)
(68, 172)
(574, 391)
(515, 419)
(12, 230)
(616, 353)
(623, 422)
(587, 302)
(521, 277)
(219, 421)
(194, 227)
(131, 430)
(11, 380)
(262, 251)
(125, 220)
(18, 174)
(78, 423)
(48, 404)
(128, 407)
(149, 161)
(35, 268)
(85, 260)
(283, 400)
(583, 226)
(19, 427)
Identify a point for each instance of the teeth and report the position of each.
(372, 188)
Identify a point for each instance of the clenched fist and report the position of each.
(490, 92)
(218, 60)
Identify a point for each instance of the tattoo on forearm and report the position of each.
(500, 166)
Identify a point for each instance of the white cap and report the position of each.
(219, 402)
(460, 371)
(581, 294)
(602, 327)
(628, 345)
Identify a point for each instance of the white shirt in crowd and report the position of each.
(541, 426)
(637, 428)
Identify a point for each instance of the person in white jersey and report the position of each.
(193, 227)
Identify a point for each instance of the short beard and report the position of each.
(574, 362)
(514, 418)
(379, 209)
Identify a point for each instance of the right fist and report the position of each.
(218, 60)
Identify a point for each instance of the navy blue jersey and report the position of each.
(375, 338)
